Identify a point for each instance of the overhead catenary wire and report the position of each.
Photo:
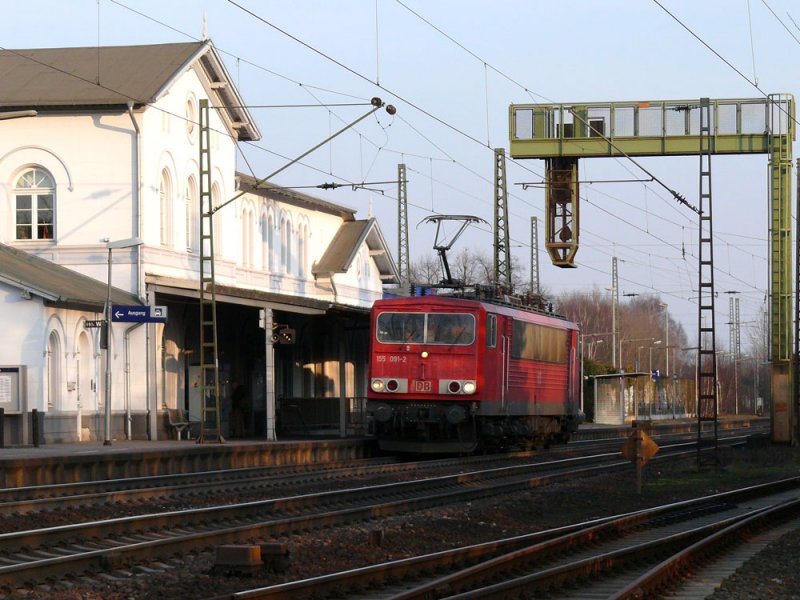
(675, 194)
(386, 149)
(363, 77)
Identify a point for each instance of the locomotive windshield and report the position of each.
(426, 328)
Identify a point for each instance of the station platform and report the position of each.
(92, 461)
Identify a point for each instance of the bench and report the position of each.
(178, 419)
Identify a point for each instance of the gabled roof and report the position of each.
(344, 248)
(59, 286)
(106, 77)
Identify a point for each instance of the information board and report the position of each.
(12, 380)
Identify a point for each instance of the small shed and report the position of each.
(620, 398)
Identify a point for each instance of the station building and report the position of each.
(99, 184)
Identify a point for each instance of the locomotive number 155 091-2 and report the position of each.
(392, 358)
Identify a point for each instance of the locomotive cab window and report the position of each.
(426, 328)
(450, 328)
(401, 328)
(491, 331)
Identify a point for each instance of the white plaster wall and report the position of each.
(29, 323)
(170, 140)
(23, 327)
(360, 286)
(93, 193)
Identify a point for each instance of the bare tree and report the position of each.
(641, 322)
(426, 270)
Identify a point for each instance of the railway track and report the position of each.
(99, 545)
(199, 488)
(203, 487)
(637, 555)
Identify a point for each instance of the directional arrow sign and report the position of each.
(138, 314)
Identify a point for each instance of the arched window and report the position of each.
(284, 244)
(247, 238)
(263, 223)
(302, 250)
(271, 244)
(190, 200)
(35, 195)
(165, 207)
(84, 370)
(191, 118)
(53, 371)
(289, 241)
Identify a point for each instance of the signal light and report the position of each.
(284, 335)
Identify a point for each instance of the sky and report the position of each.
(308, 68)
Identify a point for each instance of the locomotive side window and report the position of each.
(491, 331)
(537, 342)
(401, 328)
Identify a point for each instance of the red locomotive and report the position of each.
(454, 374)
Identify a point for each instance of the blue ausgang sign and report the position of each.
(138, 314)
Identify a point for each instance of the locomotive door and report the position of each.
(505, 350)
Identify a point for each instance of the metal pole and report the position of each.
(107, 391)
(666, 335)
(614, 306)
(580, 345)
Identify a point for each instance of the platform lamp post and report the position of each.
(650, 363)
(650, 339)
(116, 245)
(581, 344)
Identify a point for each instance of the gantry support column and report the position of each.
(783, 409)
(502, 250)
(706, 378)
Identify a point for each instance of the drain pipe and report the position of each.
(333, 287)
(139, 283)
(128, 433)
(138, 200)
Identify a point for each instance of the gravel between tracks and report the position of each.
(774, 573)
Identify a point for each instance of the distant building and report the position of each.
(112, 153)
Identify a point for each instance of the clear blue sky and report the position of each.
(452, 69)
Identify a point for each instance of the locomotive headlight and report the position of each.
(377, 385)
(469, 387)
(424, 354)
